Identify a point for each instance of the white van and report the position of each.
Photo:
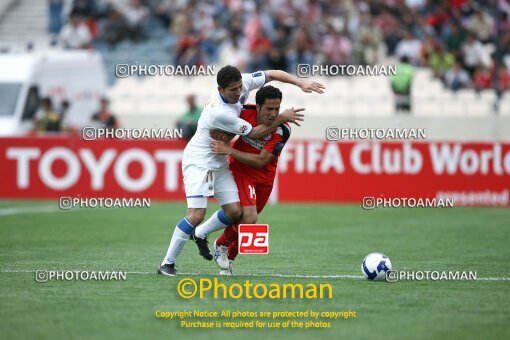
(74, 76)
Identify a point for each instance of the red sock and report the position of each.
(232, 248)
(232, 251)
(229, 235)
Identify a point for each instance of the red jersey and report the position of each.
(273, 143)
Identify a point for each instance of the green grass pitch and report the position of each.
(304, 240)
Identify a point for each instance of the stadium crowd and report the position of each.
(457, 39)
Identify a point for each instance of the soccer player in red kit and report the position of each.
(253, 163)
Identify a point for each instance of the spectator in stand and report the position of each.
(189, 120)
(440, 61)
(415, 4)
(231, 53)
(457, 78)
(438, 18)
(163, 11)
(368, 41)
(181, 22)
(301, 50)
(276, 60)
(235, 26)
(136, 14)
(503, 78)
(55, 16)
(202, 20)
(481, 25)
(282, 39)
(401, 85)
(504, 22)
(428, 47)
(46, 118)
(389, 26)
(64, 107)
(115, 27)
(75, 35)
(85, 7)
(283, 33)
(87, 10)
(188, 48)
(474, 54)
(104, 117)
(504, 37)
(336, 47)
(454, 39)
(259, 49)
(213, 38)
(259, 25)
(482, 78)
(277, 55)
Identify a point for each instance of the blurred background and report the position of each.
(58, 62)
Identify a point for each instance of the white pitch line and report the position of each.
(28, 210)
(295, 276)
(288, 276)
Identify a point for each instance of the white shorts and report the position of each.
(200, 184)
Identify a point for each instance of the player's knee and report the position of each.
(195, 216)
(234, 213)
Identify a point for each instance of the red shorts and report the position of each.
(251, 193)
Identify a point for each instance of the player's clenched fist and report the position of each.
(220, 148)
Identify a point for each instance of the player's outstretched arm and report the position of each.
(251, 159)
(307, 86)
(289, 115)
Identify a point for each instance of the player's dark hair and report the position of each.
(267, 92)
(228, 75)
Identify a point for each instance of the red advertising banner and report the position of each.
(309, 170)
(471, 173)
(49, 167)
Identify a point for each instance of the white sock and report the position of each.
(217, 221)
(179, 238)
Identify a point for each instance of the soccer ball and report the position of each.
(375, 266)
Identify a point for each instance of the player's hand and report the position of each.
(292, 115)
(312, 86)
(220, 148)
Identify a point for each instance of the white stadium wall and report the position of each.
(349, 102)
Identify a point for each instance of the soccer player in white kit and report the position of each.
(206, 174)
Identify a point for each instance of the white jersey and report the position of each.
(221, 115)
